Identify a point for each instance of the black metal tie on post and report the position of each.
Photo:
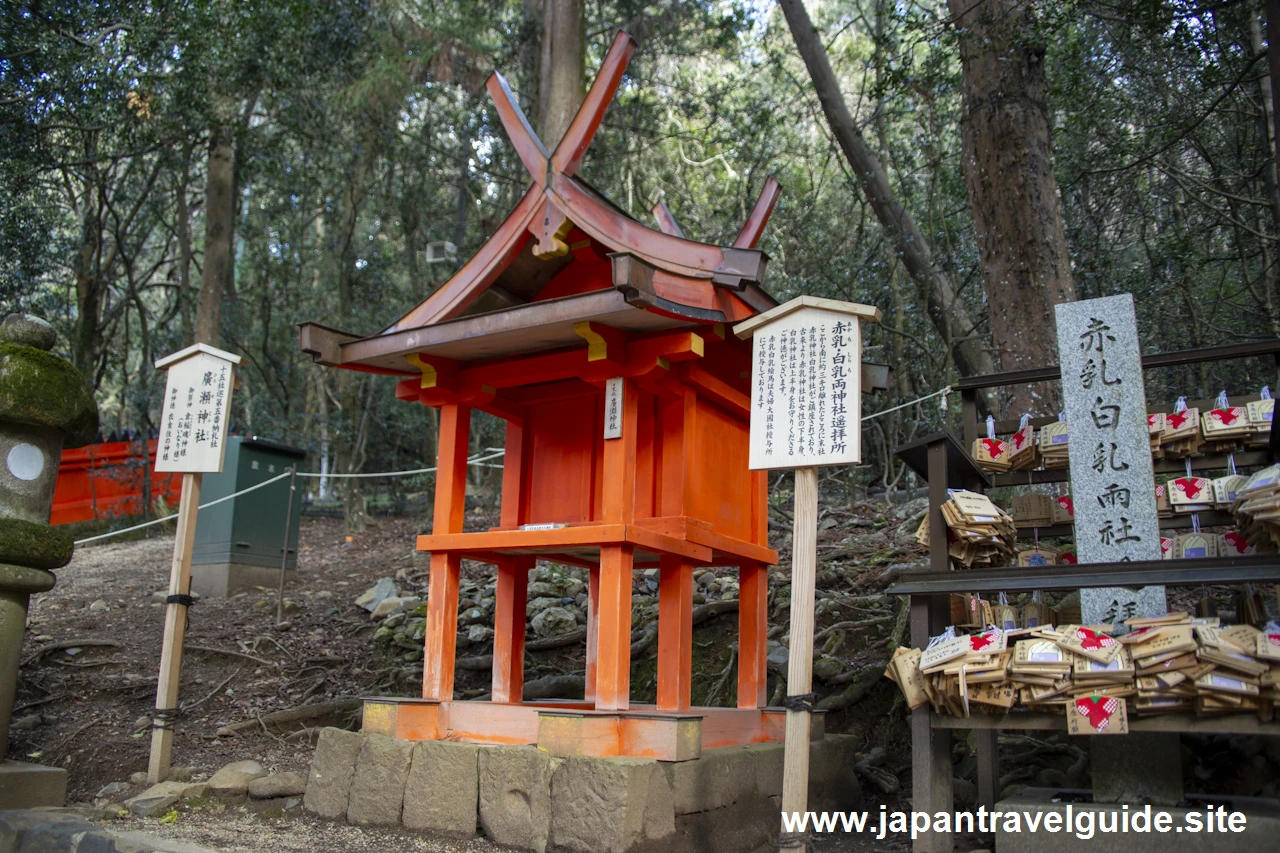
(800, 702)
(164, 718)
(179, 598)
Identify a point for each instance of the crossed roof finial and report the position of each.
(558, 201)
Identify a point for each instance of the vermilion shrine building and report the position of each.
(570, 296)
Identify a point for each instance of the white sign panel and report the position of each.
(193, 423)
(613, 408)
(806, 400)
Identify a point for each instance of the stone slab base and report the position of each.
(223, 580)
(69, 831)
(1262, 828)
(31, 786)
(726, 801)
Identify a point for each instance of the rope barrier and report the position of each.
(940, 393)
(475, 461)
(277, 478)
(478, 461)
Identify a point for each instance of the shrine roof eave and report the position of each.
(529, 328)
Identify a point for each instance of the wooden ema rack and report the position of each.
(944, 464)
(568, 298)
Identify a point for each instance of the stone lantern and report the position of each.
(45, 405)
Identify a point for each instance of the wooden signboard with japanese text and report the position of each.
(806, 412)
(193, 422)
(193, 438)
(805, 390)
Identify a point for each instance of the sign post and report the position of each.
(193, 437)
(806, 413)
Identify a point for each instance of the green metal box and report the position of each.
(238, 542)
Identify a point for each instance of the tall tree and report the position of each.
(560, 78)
(219, 221)
(945, 309)
(1013, 191)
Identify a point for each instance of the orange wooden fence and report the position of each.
(105, 481)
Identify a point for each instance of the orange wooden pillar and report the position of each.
(593, 634)
(611, 596)
(675, 633)
(753, 627)
(613, 626)
(442, 598)
(511, 600)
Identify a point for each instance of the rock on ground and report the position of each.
(233, 779)
(278, 785)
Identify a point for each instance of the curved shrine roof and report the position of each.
(566, 254)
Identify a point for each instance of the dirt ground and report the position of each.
(90, 673)
(92, 653)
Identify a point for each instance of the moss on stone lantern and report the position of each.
(45, 405)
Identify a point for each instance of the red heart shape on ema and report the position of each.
(1226, 417)
(978, 642)
(1237, 542)
(1097, 711)
(1018, 438)
(1177, 419)
(1273, 639)
(1189, 486)
(1151, 420)
(994, 446)
(1091, 641)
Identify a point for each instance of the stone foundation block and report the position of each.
(515, 796)
(1142, 767)
(833, 786)
(30, 786)
(68, 837)
(767, 760)
(1262, 827)
(443, 790)
(377, 788)
(332, 769)
(610, 805)
(721, 777)
(738, 828)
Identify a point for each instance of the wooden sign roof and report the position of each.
(563, 255)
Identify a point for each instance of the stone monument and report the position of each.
(45, 405)
(1115, 512)
(1111, 473)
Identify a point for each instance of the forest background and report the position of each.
(219, 170)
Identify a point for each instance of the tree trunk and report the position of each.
(87, 267)
(219, 217)
(946, 312)
(560, 82)
(183, 214)
(88, 342)
(1273, 60)
(1013, 192)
